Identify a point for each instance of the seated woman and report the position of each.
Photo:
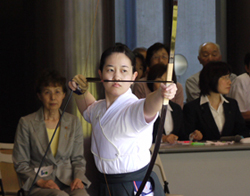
(63, 169)
(212, 115)
(174, 124)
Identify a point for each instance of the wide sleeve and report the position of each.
(77, 158)
(21, 155)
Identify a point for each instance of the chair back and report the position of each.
(9, 179)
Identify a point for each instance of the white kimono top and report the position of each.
(121, 138)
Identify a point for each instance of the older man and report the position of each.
(207, 52)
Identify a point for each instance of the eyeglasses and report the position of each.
(226, 77)
(164, 57)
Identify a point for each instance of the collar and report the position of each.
(40, 114)
(123, 96)
(204, 99)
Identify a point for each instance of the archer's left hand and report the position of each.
(168, 90)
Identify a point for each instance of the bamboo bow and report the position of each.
(170, 69)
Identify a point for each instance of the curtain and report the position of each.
(83, 46)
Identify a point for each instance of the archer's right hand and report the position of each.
(78, 84)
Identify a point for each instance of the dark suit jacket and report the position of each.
(178, 123)
(199, 117)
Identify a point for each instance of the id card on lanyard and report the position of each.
(147, 191)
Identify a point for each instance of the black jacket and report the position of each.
(199, 117)
(178, 123)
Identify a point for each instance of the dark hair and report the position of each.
(152, 50)
(120, 48)
(140, 56)
(157, 71)
(50, 77)
(247, 59)
(140, 49)
(210, 75)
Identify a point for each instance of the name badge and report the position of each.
(147, 191)
(44, 171)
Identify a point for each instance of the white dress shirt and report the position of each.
(169, 124)
(218, 114)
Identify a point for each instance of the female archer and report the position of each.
(122, 124)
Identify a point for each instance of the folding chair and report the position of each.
(164, 178)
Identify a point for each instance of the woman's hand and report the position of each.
(171, 138)
(196, 135)
(76, 184)
(47, 184)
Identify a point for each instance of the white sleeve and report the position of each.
(88, 113)
(136, 115)
(237, 92)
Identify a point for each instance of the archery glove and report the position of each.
(82, 84)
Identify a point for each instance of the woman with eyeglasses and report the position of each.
(213, 115)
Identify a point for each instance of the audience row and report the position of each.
(124, 126)
(209, 112)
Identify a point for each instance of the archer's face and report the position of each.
(117, 67)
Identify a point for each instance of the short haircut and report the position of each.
(205, 43)
(152, 50)
(140, 56)
(157, 71)
(247, 59)
(210, 75)
(50, 77)
(117, 48)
